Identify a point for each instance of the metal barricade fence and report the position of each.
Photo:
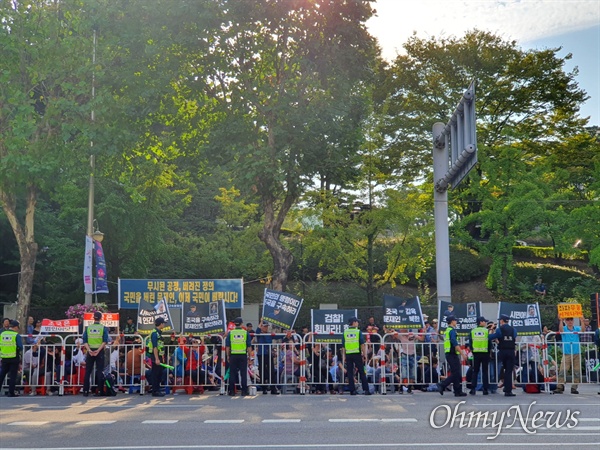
(278, 362)
(391, 363)
(41, 367)
(198, 364)
(569, 359)
(396, 362)
(124, 357)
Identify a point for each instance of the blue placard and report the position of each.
(177, 292)
(281, 308)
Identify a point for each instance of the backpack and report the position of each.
(532, 388)
(106, 386)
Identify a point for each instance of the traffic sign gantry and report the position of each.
(459, 139)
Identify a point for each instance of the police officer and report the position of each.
(452, 351)
(11, 346)
(507, 337)
(480, 346)
(238, 343)
(95, 338)
(129, 326)
(155, 350)
(353, 342)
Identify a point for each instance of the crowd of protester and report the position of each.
(396, 361)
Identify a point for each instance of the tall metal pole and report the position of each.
(440, 208)
(90, 219)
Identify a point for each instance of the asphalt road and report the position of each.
(293, 421)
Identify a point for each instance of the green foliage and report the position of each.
(533, 252)
(561, 283)
(214, 119)
(465, 265)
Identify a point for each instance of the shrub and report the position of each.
(465, 265)
(561, 282)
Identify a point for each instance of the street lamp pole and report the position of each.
(90, 220)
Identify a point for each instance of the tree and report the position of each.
(373, 245)
(287, 75)
(526, 106)
(45, 83)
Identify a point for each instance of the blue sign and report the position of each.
(178, 292)
(280, 308)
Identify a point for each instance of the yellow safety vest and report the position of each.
(8, 344)
(237, 339)
(479, 340)
(352, 341)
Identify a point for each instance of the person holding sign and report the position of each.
(238, 345)
(507, 338)
(95, 339)
(452, 351)
(480, 346)
(353, 351)
(571, 359)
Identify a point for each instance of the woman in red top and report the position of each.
(193, 366)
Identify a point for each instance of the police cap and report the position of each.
(159, 321)
(450, 319)
(14, 323)
(238, 321)
(351, 320)
(504, 317)
(481, 319)
(97, 315)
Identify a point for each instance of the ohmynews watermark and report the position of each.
(529, 421)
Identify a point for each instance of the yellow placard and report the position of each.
(569, 310)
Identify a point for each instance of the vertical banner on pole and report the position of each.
(101, 283)
(88, 287)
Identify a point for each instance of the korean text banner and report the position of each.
(524, 317)
(110, 320)
(178, 292)
(280, 308)
(149, 312)
(101, 282)
(402, 312)
(466, 315)
(88, 286)
(204, 318)
(60, 326)
(566, 310)
(328, 325)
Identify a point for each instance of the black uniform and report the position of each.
(506, 336)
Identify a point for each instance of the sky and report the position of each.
(573, 25)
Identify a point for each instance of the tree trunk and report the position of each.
(370, 271)
(24, 234)
(269, 234)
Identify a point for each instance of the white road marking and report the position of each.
(28, 423)
(281, 420)
(160, 421)
(225, 421)
(95, 422)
